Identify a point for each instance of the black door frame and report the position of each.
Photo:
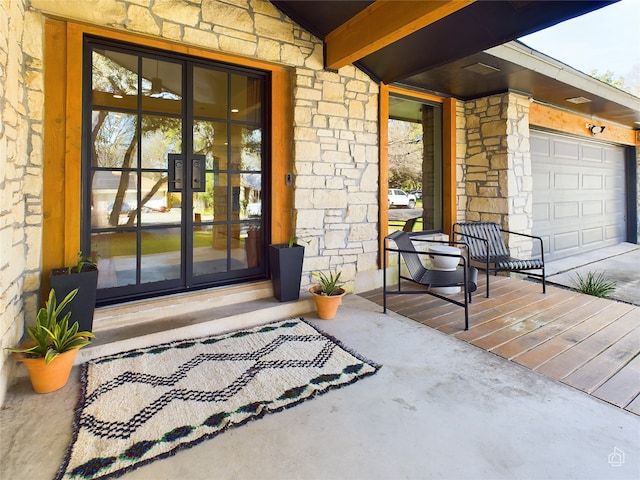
(185, 283)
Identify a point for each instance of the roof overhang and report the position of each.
(457, 48)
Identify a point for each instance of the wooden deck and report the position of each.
(586, 342)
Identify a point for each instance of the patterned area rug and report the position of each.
(143, 405)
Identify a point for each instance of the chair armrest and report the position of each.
(528, 236)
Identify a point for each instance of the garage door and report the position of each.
(578, 194)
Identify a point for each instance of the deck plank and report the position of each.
(622, 387)
(559, 318)
(601, 317)
(570, 360)
(603, 366)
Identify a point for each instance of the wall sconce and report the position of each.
(595, 129)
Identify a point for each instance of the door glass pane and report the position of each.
(250, 195)
(210, 93)
(209, 250)
(251, 236)
(161, 86)
(220, 195)
(116, 253)
(246, 98)
(210, 139)
(158, 206)
(114, 79)
(161, 254)
(115, 143)
(246, 148)
(160, 137)
(114, 198)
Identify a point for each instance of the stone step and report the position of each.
(149, 322)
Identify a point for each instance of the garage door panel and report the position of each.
(578, 193)
(592, 235)
(614, 232)
(540, 146)
(592, 182)
(591, 209)
(542, 180)
(614, 207)
(565, 210)
(566, 241)
(568, 150)
(566, 181)
(592, 154)
(542, 211)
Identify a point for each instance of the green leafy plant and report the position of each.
(329, 285)
(83, 263)
(595, 284)
(52, 336)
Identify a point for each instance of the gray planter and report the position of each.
(84, 303)
(286, 270)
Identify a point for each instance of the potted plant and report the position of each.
(327, 294)
(52, 347)
(285, 260)
(82, 276)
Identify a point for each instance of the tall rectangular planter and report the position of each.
(286, 270)
(84, 303)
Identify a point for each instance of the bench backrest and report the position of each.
(489, 231)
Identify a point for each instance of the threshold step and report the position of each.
(176, 324)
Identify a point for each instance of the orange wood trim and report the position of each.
(384, 167)
(449, 181)
(415, 94)
(575, 124)
(53, 198)
(281, 159)
(381, 24)
(63, 134)
(73, 154)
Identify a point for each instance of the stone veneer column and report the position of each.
(21, 115)
(496, 171)
(336, 170)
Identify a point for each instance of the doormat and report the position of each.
(146, 404)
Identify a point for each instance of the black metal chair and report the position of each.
(464, 276)
(488, 251)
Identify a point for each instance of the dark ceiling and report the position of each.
(432, 59)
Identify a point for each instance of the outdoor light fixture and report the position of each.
(595, 129)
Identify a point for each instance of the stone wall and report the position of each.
(21, 100)
(496, 171)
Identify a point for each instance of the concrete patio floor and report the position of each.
(619, 263)
(438, 408)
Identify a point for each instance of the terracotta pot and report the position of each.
(44, 377)
(327, 306)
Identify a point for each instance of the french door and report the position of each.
(173, 171)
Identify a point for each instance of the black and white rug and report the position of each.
(143, 405)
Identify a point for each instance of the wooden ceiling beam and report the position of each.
(381, 24)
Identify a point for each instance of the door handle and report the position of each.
(176, 172)
(198, 173)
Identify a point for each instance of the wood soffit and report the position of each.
(439, 46)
